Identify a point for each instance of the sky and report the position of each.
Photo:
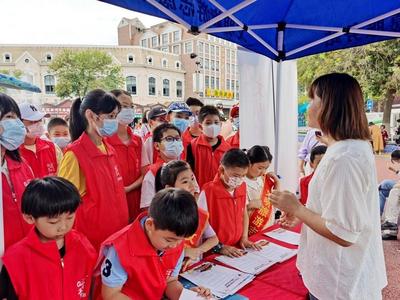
(79, 22)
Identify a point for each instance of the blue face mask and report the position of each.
(61, 141)
(181, 124)
(13, 134)
(110, 127)
(173, 150)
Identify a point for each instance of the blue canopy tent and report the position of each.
(14, 83)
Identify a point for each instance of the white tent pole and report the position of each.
(375, 32)
(252, 33)
(222, 29)
(337, 34)
(169, 13)
(225, 14)
(277, 113)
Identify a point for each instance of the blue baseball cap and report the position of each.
(179, 107)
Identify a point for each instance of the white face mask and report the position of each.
(126, 116)
(212, 131)
(35, 130)
(234, 182)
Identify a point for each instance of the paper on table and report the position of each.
(275, 252)
(249, 263)
(284, 236)
(190, 295)
(220, 280)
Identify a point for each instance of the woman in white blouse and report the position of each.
(340, 253)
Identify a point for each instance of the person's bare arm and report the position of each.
(114, 293)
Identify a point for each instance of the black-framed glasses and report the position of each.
(171, 138)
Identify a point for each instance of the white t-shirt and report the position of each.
(147, 152)
(344, 192)
(148, 189)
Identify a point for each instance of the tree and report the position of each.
(78, 72)
(376, 67)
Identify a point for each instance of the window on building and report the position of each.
(7, 57)
(228, 84)
(201, 47)
(49, 84)
(177, 36)
(164, 49)
(178, 65)
(152, 86)
(212, 82)
(227, 55)
(201, 63)
(166, 87)
(49, 57)
(207, 81)
(217, 65)
(206, 48)
(217, 51)
(188, 47)
(206, 64)
(164, 39)
(143, 43)
(213, 65)
(217, 82)
(154, 41)
(164, 63)
(131, 85)
(233, 85)
(131, 59)
(176, 49)
(212, 50)
(150, 60)
(179, 89)
(228, 68)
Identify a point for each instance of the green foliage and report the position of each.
(81, 71)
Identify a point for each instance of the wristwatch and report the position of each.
(217, 249)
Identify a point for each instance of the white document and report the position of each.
(250, 262)
(283, 235)
(190, 295)
(275, 252)
(220, 280)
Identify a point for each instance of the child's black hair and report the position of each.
(194, 102)
(49, 197)
(208, 110)
(258, 154)
(56, 122)
(118, 92)
(395, 155)
(8, 104)
(160, 129)
(317, 150)
(168, 174)
(98, 101)
(175, 210)
(235, 158)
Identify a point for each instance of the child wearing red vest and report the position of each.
(15, 172)
(178, 174)
(41, 155)
(205, 152)
(315, 157)
(225, 200)
(128, 148)
(90, 164)
(143, 260)
(194, 129)
(53, 261)
(168, 144)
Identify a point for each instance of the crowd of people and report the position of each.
(98, 208)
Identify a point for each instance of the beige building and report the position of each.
(210, 63)
(151, 76)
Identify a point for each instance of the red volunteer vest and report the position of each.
(304, 183)
(129, 158)
(104, 209)
(193, 241)
(44, 162)
(37, 271)
(226, 211)
(234, 140)
(147, 271)
(15, 227)
(206, 161)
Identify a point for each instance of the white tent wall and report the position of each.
(258, 83)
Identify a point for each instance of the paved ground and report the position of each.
(391, 248)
